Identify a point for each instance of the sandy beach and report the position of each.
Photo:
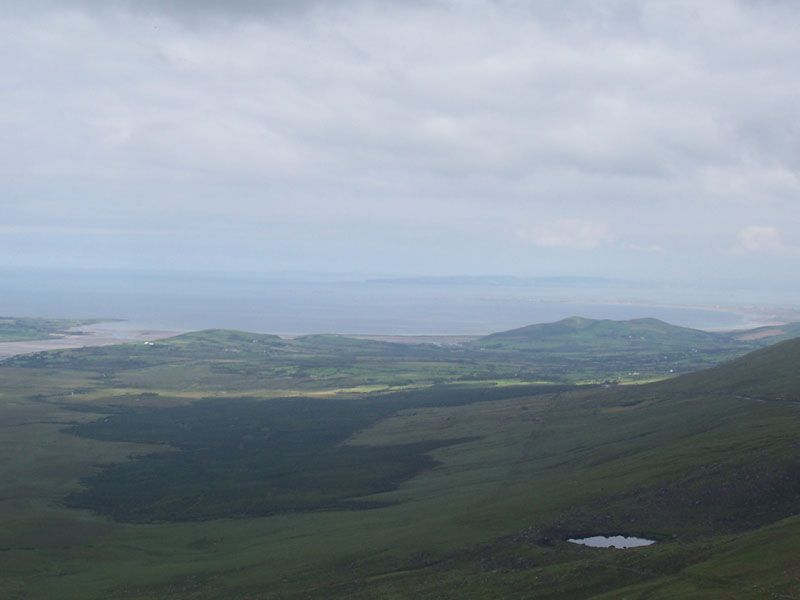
(99, 334)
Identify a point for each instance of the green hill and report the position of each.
(770, 374)
(696, 463)
(231, 465)
(578, 332)
(624, 350)
(770, 334)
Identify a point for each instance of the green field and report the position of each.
(573, 350)
(16, 328)
(232, 465)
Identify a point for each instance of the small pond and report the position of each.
(614, 541)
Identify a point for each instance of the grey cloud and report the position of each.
(477, 118)
(199, 12)
(508, 96)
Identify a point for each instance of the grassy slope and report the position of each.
(573, 350)
(694, 462)
(239, 457)
(767, 335)
(714, 477)
(646, 347)
(771, 374)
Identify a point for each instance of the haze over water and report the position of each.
(643, 141)
(358, 304)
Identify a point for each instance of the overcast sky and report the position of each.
(604, 138)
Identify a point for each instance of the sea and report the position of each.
(307, 303)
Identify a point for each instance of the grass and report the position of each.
(570, 351)
(21, 328)
(463, 489)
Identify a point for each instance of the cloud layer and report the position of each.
(568, 233)
(481, 136)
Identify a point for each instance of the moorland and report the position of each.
(224, 464)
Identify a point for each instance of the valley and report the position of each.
(223, 464)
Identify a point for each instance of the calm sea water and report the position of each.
(262, 304)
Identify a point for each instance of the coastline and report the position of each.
(99, 334)
(120, 331)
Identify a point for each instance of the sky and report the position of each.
(642, 140)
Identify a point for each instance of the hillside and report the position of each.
(578, 332)
(695, 463)
(625, 350)
(225, 464)
(769, 334)
(770, 374)
(574, 350)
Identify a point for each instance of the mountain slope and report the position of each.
(638, 348)
(695, 463)
(770, 334)
(582, 332)
(770, 374)
(707, 464)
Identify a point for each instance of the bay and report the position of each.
(354, 304)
